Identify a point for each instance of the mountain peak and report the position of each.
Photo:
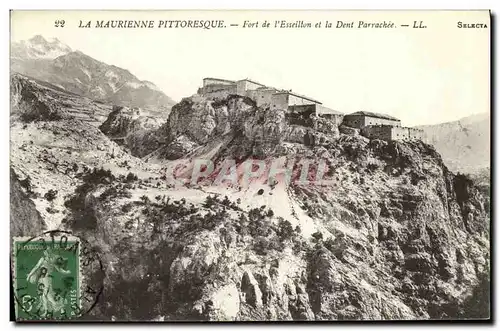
(38, 39)
(48, 59)
(38, 47)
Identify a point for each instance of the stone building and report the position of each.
(361, 119)
(262, 95)
(389, 132)
(305, 111)
(211, 85)
(381, 126)
(244, 85)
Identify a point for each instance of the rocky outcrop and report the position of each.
(29, 102)
(200, 119)
(128, 128)
(25, 220)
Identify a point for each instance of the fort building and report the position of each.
(361, 119)
(306, 111)
(264, 95)
(381, 126)
(244, 85)
(216, 84)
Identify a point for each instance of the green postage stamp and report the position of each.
(46, 277)
(52, 277)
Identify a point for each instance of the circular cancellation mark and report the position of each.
(57, 276)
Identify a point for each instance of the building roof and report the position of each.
(251, 81)
(220, 79)
(328, 111)
(377, 115)
(299, 96)
(266, 88)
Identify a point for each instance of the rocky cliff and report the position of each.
(25, 220)
(198, 121)
(132, 131)
(393, 234)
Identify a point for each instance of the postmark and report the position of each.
(57, 276)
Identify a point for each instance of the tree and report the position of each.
(285, 230)
(317, 236)
(131, 177)
(144, 199)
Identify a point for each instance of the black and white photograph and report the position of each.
(250, 165)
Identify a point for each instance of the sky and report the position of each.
(422, 76)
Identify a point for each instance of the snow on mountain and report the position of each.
(39, 48)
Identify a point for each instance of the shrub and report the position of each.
(210, 201)
(113, 192)
(317, 236)
(372, 167)
(144, 199)
(98, 176)
(329, 244)
(51, 210)
(263, 245)
(82, 213)
(285, 230)
(127, 207)
(131, 177)
(50, 195)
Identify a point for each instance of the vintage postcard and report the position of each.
(236, 165)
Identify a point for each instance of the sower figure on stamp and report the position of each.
(49, 266)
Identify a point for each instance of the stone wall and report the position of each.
(279, 101)
(261, 96)
(383, 132)
(388, 132)
(246, 85)
(415, 134)
(359, 121)
(282, 100)
(399, 133)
